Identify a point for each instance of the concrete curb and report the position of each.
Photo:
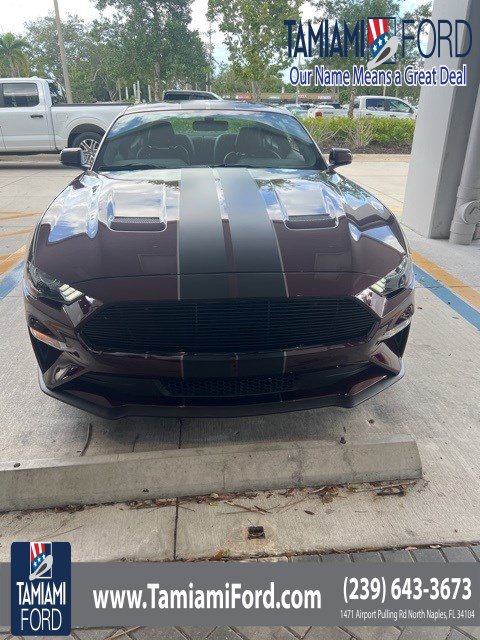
(36, 484)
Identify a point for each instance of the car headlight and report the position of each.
(397, 279)
(49, 287)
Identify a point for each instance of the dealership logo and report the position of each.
(383, 46)
(41, 560)
(377, 40)
(40, 588)
(332, 38)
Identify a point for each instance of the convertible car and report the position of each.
(211, 263)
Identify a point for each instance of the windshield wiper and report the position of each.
(241, 166)
(130, 167)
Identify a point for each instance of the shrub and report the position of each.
(393, 131)
(361, 133)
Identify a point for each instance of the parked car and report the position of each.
(383, 107)
(367, 106)
(178, 95)
(322, 110)
(34, 117)
(211, 263)
(298, 110)
(304, 106)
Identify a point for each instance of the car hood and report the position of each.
(214, 221)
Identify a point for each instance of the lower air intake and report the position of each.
(227, 387)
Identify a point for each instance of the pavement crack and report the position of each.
(175, 530)
(180, 432)
(134, 443)
(87, 440)
(177, 502)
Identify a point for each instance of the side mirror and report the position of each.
(339, 157)
(73, 158)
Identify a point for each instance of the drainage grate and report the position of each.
(256, 533)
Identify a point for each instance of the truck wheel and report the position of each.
(88, 141)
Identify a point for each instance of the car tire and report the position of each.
(88, 142)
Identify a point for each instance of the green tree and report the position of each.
(156, 35)
(255, 36)
(227, 83)
(100, 56)
(79, 46)
(114, 63)
(13, 55)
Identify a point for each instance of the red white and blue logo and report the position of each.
(40, 586)
(383, 45)
(41, 560)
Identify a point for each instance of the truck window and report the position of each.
(171, 96)
(20, 94)
(376, 104)
(399, 106)
(57, 93)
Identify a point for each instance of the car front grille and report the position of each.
(232, 326)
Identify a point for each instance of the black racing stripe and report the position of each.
(255, 246)
(201, 243)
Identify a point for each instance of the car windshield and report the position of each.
(207, 138)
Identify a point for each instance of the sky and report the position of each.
(22, 11)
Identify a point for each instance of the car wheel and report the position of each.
(88, 142)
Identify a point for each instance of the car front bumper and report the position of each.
(115, 385)
(102, 404)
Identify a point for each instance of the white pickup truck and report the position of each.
(34, 118)
(368, 106)
(382, 107)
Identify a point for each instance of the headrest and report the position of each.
(284, 146)
(249, 141)
(162, 135)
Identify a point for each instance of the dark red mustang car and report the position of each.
(210, 263)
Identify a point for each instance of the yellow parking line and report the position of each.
(469, 294)
(17, 232)
(12, 259)
(16, 216)
(19, 213)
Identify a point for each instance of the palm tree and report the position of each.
(13, 57)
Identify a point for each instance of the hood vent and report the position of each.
(126, 223)
(302, 203)
(137, 209)
(311, 222)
